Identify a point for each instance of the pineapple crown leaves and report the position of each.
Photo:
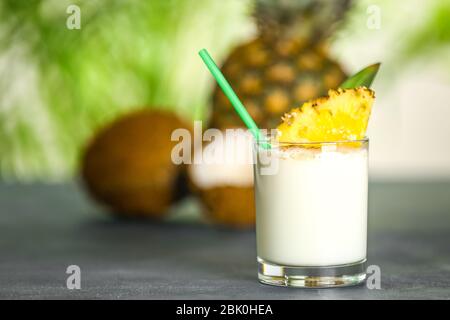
(362, 78)
(295, 8)
(308, 18)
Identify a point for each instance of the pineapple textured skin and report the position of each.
(272, 77)
(287, 64)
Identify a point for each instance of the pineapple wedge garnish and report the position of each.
(343, 115)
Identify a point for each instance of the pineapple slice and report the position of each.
(343, 115)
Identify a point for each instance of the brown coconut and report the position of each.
(226, 187)
(128, 168)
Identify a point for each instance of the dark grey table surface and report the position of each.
(43, 229)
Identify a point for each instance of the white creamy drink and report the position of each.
(313, 210)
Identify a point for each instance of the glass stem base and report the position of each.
(312, 277)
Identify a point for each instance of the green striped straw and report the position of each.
(231, 95)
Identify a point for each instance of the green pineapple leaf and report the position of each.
(364, 77)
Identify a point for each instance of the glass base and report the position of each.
(312, 277)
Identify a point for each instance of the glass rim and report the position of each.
(309, 143)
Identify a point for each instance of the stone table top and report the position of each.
(45, 228)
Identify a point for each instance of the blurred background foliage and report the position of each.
(410, 30)
(58, 85)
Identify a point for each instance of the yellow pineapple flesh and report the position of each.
(343, 115)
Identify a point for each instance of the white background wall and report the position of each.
(410, 124)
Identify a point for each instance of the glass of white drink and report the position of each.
(311, 186)
(311, 213)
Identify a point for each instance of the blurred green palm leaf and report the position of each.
(58, 85)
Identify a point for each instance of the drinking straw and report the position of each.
(231, 95)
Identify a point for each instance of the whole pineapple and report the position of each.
(286, 65)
